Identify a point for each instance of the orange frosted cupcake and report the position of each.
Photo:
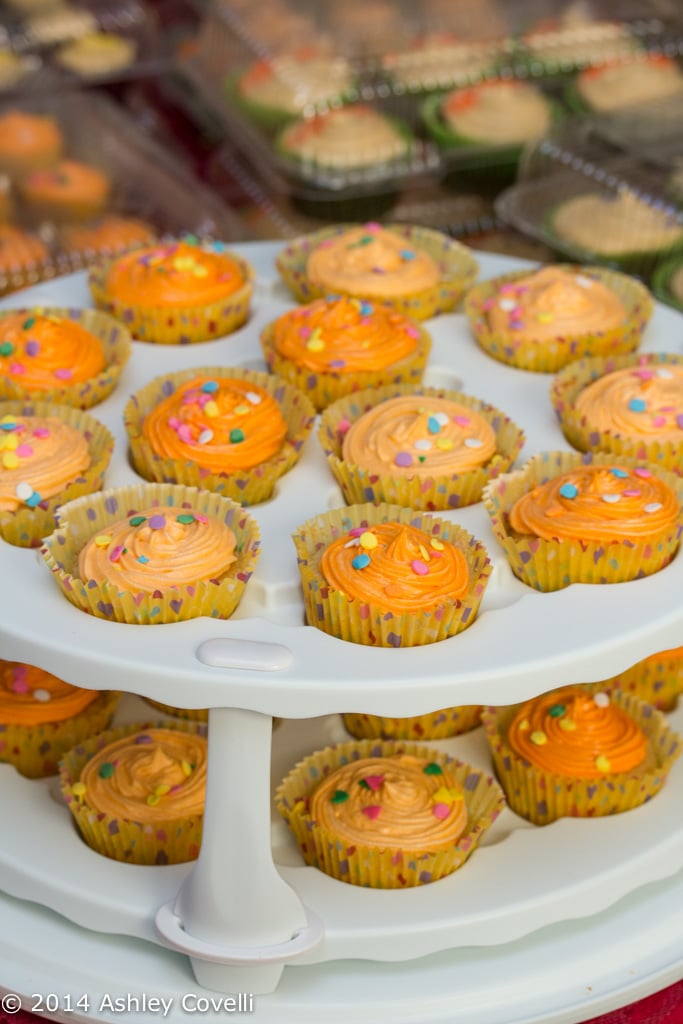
(67, 356)
(387, 815)
(335, 346)
(175, 293)
(566, 518)
(41, 717)
(69, 190)
(137, 793)
(28, 141)
(111, 234)
(231, 431)
(23, 258)
(577, 753)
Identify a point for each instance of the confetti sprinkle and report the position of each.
(137, 520)
(368, 540)
(433, 769)
(637, 405)
(602, 763)
(43, 696)
(103, 540)
(106, 770)
(601, 700)
(236, 435)
(157, 522)
(361, 561)
(653, 506)
(403, 459)
(569, 491)
(538, 738)
(557, 710)
(185, 518)
(339, 796)
(372, 811)
(419, 567)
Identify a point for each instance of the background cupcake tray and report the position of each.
(266, 662)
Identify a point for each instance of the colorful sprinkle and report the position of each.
(157, 522)
(339, 796)
(473, 442)
(602, 763)
(611, 499)
(433, 425)
(6, 348)
(360, 561)
(368, 540)
(236, 435)
(568, 724)
(211, 409)
(41, 695)
(538, 738)
(642, 472)
(103, 540)
(28, 324)
(568, 491)
(186, 768)
(557, 710)
(205, 436)
(143, 559)
(253, 397)
(403, 459)
(601, 700)
(137, 520)
(620, 473)
(372, 811)
(210, 387)
(33, 500)
(437, 544)
(116, 553)
(374, 781)
(653, 506)
(32, 348)
(637, 405)
(106, 770)
(433, 768)
(441, 811)
(423, 445)
(185, 518)
(419, 567)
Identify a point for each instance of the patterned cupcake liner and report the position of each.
(373, 866)
(174, 841)
(116, 343)
(549, 565)
(542, 797)
(81, 519)
(578, 375)
(190, 714)
(457, 264)
(657, 680)
(363, 623)
(514, 349)
(29, 525)
(435, 493)
(325, 388)
(36, 750)
(438, 725)
(177, 324)
(248, 487)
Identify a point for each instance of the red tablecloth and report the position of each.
(665, 1007)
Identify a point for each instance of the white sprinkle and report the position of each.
(42, 695)
(423, 445)
(654, 506)
(664, 373)
(611, 499)
(441, 418)
(353, 543)
(601, 699)
(252, 397)
(23, 491)
(473, 442)
(507, 304)
(585, 282)
(205, 436)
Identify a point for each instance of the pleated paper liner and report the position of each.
(248, 487)
(363, 623)
(433, 493)
(548, 565)
(173, 841)
(116, 343)
(566, 388)
(325, 388)
(542, 797)
(82, 519)
(27, 526)
(438, 725)
(658, 680)
(512, 348)
(36, 750)
(376, 866)
(457, 264)
(176, 324)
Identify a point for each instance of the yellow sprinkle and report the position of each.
(368, 540)
(8, 419)
(539, 738)
(446, 795)
(544, 318)
(436, 544)
(602, 763)
(568, 724)
(241, 409)
(211, 409)
(425, 554)
(78, 789)
(444, 443)
(315, 345)
(200, 271)
(186, 767)
(183, 263)
(11, 442)
(153, 799)
(103, 540)
(10, 460)
(162, 790)
(524, 725)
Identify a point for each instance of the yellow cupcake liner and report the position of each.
(376, 867)
(542, 797)
(174, 841)
(457, 265)
(81, 519)
(435, 494)
(566, 388)
(189, 714)
(363, 623)
(325, 388)
(36, 750)
(248, 487)
(549, 356)
(177, 324)
(549, 565)
(29, 525)
(658, 680)
(438, 725)
(116, 343)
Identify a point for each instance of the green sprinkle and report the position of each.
(363, 784)
(6, 349)
(557, 710)
(106, 770)
(186, 518)
(421, 458)
(340, 795)
(137, 520)
(236, 436)
(433, 769)
(191, 239)
(28, 324)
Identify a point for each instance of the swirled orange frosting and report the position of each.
(399, 800)
(396, 566)
(224, 424)
(30, 695)
(39, 456)
(554, 302)
(45, 352)
(639, 402)
(597, 503)
(68, 180)
(176, 274)
(371, 260)
(342, 335)
(419, 435)
(110, 234)
(572, 732)
(158, 548)
(153, 775)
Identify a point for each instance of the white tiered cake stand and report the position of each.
(554, 924)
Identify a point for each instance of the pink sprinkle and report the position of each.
(418, 567)
(659, 421)
(190, 397)
(506, 288)
(185, 433)
(200, 517)
(373, 227)
(631, 494)
(205, 397)
(462, 421)
(642, 472)
(41, 432)
(64, 374)
(412, 332)
(644, 374)
(356, 531)
(344, 425)
(19, 686)
(488, 305)
(174, 422)
(16, 368)
(325, 244)
(374, 781)
(305, 331)
(116, 553)
(372, 811)
(441, 811)
(24, 451)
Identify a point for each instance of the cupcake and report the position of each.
(24, 258)
(418, 271)
(58, 22)
(66, 191)
(232, 431)
(49, 454)
(629, 405)
(387, 815)
(175, 293)
(41, 717)
(334, 346)
(111, 234)
(545, 319)
(435, 726)
(73, 357)
(565, 44)
(388, 576)
(436, 61)
(423, 448)
(28, 141)
(645, 78)
(349, 138)
(567, 518)
(573, 753)
(153, 553)
(96, 54)
(495, 113)
(137, 792)
(657, 680)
